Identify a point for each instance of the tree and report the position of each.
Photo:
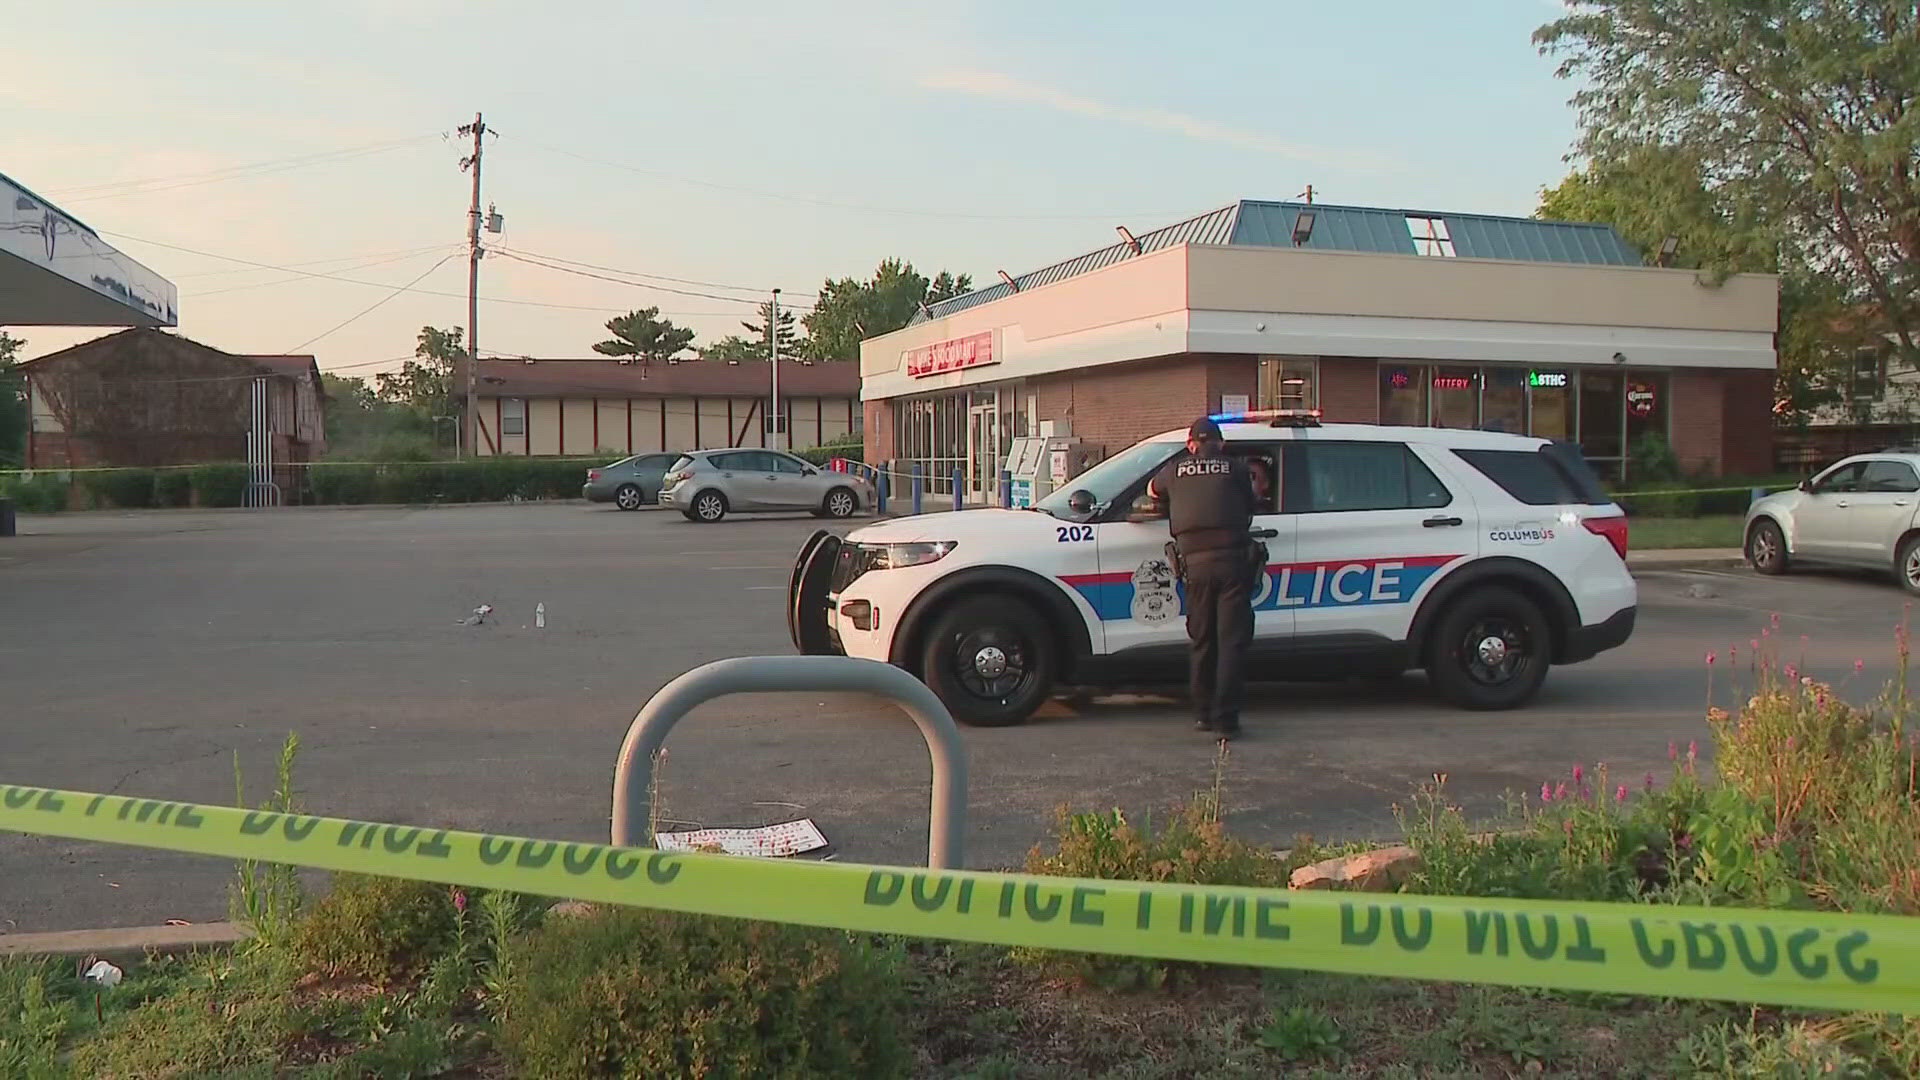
(14, 410)
(1797, 111)
(361, 421)
(791, 344)
(733, 347)
(1652, 192)
(849, 311)
(644, 336)
(425, 383)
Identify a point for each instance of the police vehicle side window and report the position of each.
(1330, 477)
(1534, 477)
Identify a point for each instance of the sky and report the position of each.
(743, 145)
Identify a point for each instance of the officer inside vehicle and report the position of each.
(1210, 503)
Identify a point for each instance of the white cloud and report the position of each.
(999, 86)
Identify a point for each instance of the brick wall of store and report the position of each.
(1350, 390)
(1697, 403)
(1747, 436)
(877, 429)
(1116, 406)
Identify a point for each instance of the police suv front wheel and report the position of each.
(990, 660)
(1490, 650)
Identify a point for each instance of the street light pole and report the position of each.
(773, 333)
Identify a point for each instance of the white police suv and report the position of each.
(1479, 556)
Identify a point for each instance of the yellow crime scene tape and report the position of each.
(1817, 959)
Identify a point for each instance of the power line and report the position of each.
(382, 284)
(833, 205)
(288, 280)
(94, 192)
(444, 259)
(423, 249)
(658, 277)
(634, 284)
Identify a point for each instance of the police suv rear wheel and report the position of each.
(990, 660)
(1490, 650)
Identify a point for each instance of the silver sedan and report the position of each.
(1860, 512)
(707, 485)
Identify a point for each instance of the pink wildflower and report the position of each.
(1859, 666)
(1649, 783)
(1560, 792)
(1693, 749)
(1755, 642)
(1792, 672)
(1620, 793)
(1685, 841)
(1776, 620)
(1710, 659)
(459, 901)
(1578, 774)
(1546, 792)
(1673, 750)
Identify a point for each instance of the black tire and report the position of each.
(629, 497)
(1906, 565)
(996, 630)
(707, 507)
(1471, 672)
(840, 503)
(1767, 548)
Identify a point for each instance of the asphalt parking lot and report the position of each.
(140, 653)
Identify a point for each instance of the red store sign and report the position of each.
(974, 350)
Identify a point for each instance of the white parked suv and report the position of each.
(1481, 557)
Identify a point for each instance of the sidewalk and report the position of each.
(1684, 558)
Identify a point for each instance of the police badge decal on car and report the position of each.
(1154, 598)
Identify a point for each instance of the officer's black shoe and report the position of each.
(1226, 732)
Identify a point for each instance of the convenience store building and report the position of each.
(1404, 317)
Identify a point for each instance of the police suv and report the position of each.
(1481, 557)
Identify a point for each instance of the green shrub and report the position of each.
(1189, 846)
(122, 489)
(221, 484)
(34, 1018)
(643, 994)
(172, 487)
(341, 484)
(374, 928)
(228, 1015)
(1651, 460)
(42, 493)
(1652, 499)
(852, 447)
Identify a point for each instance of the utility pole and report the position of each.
(773, 333)
(469, 445)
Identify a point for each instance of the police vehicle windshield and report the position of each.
(1107, 480)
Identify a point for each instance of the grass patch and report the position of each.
(1667, 533)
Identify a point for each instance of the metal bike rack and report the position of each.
(633, 773)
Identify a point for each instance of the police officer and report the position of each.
(1210, 503)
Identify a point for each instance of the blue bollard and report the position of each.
(917, 485)
(959, 489)
(1006, 490)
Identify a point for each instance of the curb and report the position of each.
(125, 944)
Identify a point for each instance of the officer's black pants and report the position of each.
(1220, 627)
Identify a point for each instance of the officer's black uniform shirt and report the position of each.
(1211, 502)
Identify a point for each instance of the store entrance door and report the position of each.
(983, 455)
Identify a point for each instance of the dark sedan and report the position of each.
(629, 483)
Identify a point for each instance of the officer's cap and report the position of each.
(1204, 428)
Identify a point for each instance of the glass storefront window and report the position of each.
(1403, 395)
(1602, 401)
(1503, 401)
(1288, 382)
(1646, 406)
(1456, 397)
(1550, 402)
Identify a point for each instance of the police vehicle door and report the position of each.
(1376, 527)
(1144, 605)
